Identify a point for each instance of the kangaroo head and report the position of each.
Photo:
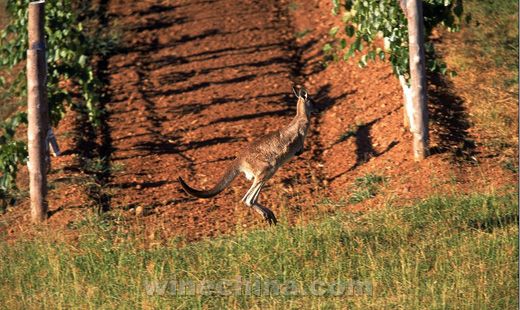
(303, 106)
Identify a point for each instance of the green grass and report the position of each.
(366, 187)
(441, 253)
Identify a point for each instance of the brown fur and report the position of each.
(263, 157)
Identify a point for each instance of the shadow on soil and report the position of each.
(173, 144)
(364, 146)
(94, 144)
(449, 120)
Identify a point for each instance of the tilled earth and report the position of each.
(193, 82)
(197, 82)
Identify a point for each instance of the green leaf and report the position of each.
(343, 43)
(371, 55)
(327, 48)
(348, 5)
(363, 61)
(333, 31)
(335, 7)
(349, 53)
(82, 60)
(458, 9)
(433, 66)
(357, 44)
(350, 30)
(347, 16)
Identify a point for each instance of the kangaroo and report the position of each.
(263, 157)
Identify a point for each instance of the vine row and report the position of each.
(71, 79)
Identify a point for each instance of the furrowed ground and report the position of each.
(192, 82)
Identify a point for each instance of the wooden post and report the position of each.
(37, 111)
(419, 113)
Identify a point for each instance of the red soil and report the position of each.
(195, 81)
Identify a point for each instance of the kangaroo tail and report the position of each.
(223, 183)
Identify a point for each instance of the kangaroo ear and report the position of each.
(295, 93)
(304, 93)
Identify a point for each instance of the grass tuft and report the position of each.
(366, 187)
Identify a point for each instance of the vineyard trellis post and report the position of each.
(37, 111)
(415, 102)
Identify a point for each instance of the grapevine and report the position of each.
(367, 20)
(70, 81)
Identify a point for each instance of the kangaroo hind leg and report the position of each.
(266, 213)
(251, 200)
(248, 197)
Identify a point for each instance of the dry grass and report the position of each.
(485, 56)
